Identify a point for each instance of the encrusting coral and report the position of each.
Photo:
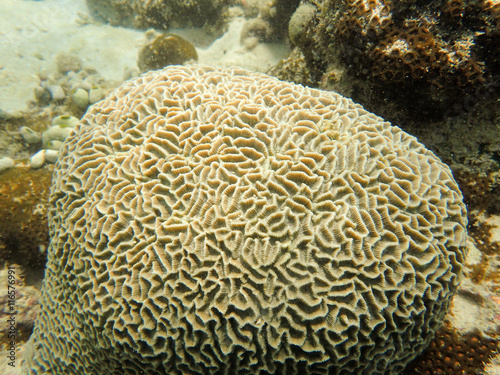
(452, 353)
(211, 221)
(432, 53)
(24, 232)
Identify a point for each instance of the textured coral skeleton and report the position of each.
(221, 221)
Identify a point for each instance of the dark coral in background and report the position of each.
(425, 57)
(451, 353)
(24, 232)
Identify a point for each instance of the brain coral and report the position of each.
(218, 221)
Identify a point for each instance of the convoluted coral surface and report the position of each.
(210, 221)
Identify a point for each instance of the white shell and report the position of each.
(86, 85)
(81, 98)
(6, 163)
(51, 155)
(56, 92)
(54, 145)
(65, 120)
(57, 132)
(30, 135)
(37, 160)
(96, 94)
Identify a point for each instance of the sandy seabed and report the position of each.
(33, 33)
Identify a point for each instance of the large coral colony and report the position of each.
(423, 56)
(209, 221)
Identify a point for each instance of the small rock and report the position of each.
(51, 155)
(74, 84)
(54, 145)
(65, 120)
(43, 75)
(37, 160)
(86, 85)
(6, 163)
(81, 98)
(29, 135)
(93, 80)
(42, 94)
(96, 94)
(56, 92)
(57, 132)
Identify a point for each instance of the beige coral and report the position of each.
(221, 221)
